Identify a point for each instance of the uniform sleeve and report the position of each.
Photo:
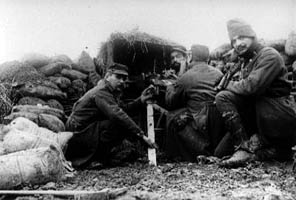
(109, 107)
(135, 105)
(175, 96)
(263, 74)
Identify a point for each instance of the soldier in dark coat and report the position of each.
(100, 122)
(194, 124)
(259, 102)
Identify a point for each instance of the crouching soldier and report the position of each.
(194, 126)
(259, 102)
(100, 122)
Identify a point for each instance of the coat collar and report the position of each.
(196, 64)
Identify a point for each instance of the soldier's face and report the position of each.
(178, 61)
(242, 44)
(117, 81)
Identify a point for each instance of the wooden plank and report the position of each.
(77, 194)
(151, 134)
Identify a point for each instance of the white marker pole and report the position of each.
(151, 134)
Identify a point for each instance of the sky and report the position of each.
(54, 27)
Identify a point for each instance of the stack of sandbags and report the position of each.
(28, 86)
(22, 134)
(25, 82)
(45, 116)
(55, 93)
(83, 76)
(71, 78)
(37, 149)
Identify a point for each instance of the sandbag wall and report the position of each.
(72, 78)
(39, 150)
(45, 89)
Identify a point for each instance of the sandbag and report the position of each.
(51, 122)
(79, 87)
(31, 101)
(61, 82)
(23, 124)
(290, 47)
(54, 104)
(15, 140)
(36, 60)
(85, 63)
(48, 83)
(28, 115)
(73, 74)
(61, 58)
(39, 110)
(38, 166)
(217, 53)
(53, 68)
(40, 91)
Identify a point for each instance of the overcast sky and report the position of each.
(53, 27)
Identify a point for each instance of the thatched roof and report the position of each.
(136, 36)
(134, 43)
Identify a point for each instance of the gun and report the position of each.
(228, 75)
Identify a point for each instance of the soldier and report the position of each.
(259, 102)
(194, 124)
(178, 60)
(100, 123)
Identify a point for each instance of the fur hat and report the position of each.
(117, 68)
(238, 27)
(200, 52)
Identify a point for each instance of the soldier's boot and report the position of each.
(243, 150)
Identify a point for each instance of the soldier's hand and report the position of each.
(147, 94)
(170, 73)
(149, 142)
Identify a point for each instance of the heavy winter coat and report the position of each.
(193, 93)
(264, 78)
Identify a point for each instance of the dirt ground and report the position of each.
(267, 181)
(201, 180)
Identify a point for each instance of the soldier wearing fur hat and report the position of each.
(259, 102)
(100, 122)
(194, 124)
